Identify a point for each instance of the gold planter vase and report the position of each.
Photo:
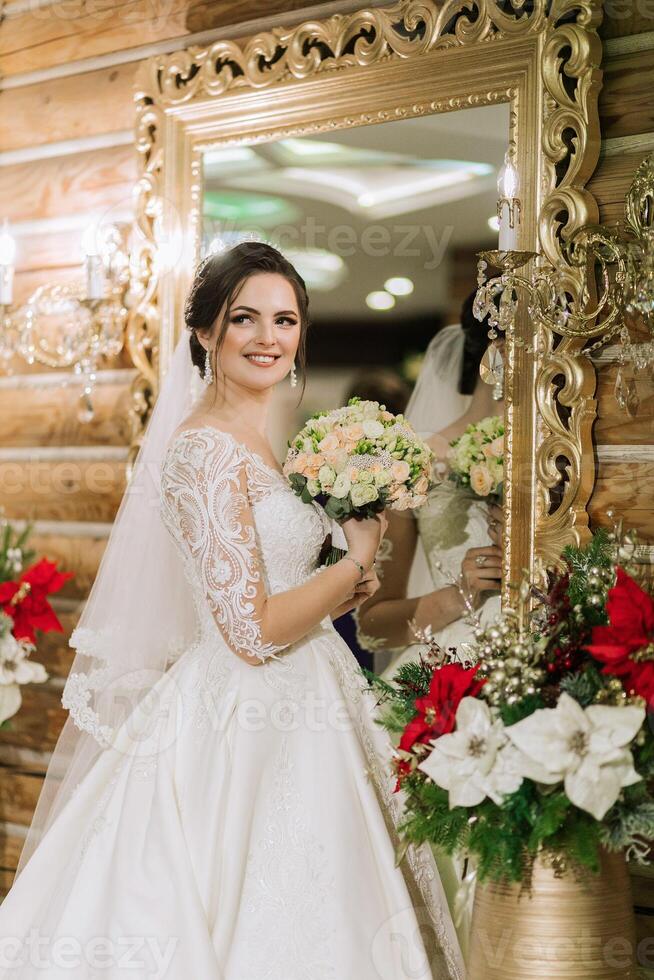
(567, 928)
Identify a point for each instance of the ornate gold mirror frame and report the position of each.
(381, 64)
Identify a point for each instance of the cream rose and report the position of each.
(352, 433)
(329, 443)
(481, 480)
(364, 493)
(342, 486)
(400, 471)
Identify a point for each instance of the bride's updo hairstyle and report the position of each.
(217, 283)
(475, 342)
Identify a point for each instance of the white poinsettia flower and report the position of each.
(10, 700)
(15, 667)
(475, 761)
(584, 748)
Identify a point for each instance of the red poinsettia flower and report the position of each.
(626, 645)
(25, 600)
(436, 712)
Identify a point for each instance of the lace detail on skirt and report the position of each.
(286, 894)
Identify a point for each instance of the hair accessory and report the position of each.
(208, 371)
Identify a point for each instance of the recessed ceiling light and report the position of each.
(380, 300)
(399, 285)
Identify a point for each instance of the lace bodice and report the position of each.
(451, 521)
(242, 532)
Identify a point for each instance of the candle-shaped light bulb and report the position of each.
(507, 179)
(95, 279)
(7, 256)
(90, 240)
(508, 205)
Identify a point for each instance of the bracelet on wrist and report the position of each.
(358, 564)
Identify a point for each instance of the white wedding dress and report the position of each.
(253, 835)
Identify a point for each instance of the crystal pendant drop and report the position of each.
(491, 368)
(626, 393)
(85, 411)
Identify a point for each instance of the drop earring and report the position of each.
(293, 376)
(207, 377)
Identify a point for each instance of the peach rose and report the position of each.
(494, 448)
(329, 443)
(400, 471)
(313, 466)
(353, 433)
(299, 463)
(481, 480)
(421, 485)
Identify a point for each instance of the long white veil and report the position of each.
(435, 403)
(138, 616)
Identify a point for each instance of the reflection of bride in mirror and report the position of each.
(458, 532)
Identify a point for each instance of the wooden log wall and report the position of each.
(66, 154)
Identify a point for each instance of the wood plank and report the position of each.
(78, 554)
(613, 425)
(46, 415)
(11, 845)
(625, 488)
(41, 38)
(68, 108)
(39, 720)
(19, 793)
(96, 180)
(611, 180)
(6, 881)
(53, 650)
(623, 18)
(19, 368)
(624, 101)
(69, 490)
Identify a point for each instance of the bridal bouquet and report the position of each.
(23, 609)
(477, 457)
(357, 460)
(540, 743)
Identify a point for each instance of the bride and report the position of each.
(220, 803)
(455, 535)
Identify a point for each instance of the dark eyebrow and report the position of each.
(251, 309)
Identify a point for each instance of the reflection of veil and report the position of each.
(434, 404)
(138, 615)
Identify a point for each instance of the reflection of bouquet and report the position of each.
(23, 609)
(540, 744)
(477, 457)
(357, 460)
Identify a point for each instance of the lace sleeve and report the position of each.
(205, 506)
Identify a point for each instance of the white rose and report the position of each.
(383, 478)
(326, 475)
(372, 428)
(364, 493)
(313, 487)
(342, 486)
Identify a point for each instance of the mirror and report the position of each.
(297, 122)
